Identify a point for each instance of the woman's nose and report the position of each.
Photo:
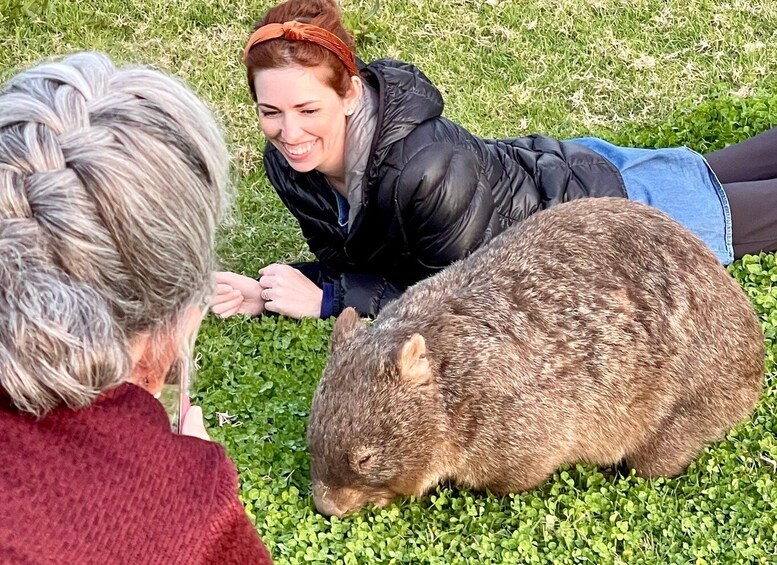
(291, 129)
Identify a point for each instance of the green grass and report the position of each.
(641, 72)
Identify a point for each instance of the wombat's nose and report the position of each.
(326, 504)
(327, 507)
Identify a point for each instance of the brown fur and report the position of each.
(598, 331)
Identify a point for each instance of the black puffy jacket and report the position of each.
(430, 194)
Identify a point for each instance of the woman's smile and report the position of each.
(298, 151)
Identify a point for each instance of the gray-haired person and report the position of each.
(112, 183)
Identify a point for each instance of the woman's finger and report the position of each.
(222, 298)
(227, 277)
(234, 303)
(228, 313)
(273, 269)
(223, 308)
(273, 306)
(268, 281)
(232, 312)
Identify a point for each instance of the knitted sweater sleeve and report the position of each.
(231, 538)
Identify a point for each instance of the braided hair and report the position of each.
(112, 184)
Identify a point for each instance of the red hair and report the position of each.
(280, 52)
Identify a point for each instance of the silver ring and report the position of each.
(265, 295)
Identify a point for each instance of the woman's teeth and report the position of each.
(298, 150)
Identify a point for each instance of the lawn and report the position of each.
(641, 72)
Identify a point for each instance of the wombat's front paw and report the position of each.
(618, 471)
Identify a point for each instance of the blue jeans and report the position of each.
(678, 182)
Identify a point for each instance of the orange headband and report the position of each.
(298, 31)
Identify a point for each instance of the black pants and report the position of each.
(748, 172)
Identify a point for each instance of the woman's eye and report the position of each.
(267, 114)
(310, 111)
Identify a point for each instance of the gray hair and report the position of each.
(112, 184)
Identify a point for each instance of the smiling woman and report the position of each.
(305, 119)
(388, 192)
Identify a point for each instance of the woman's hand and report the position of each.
(236, 294)
(287, 291)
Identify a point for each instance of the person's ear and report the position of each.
(154, 355)
(354, 95)
(191, 324)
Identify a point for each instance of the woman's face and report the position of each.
(304, 117)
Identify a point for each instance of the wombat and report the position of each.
(598, 331)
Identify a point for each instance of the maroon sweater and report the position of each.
(111, 484)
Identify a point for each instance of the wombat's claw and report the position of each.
(618, 471)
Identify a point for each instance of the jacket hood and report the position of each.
(397, 98)
(406, 98)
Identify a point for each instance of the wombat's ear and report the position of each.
(412, 362)
(345, 327)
